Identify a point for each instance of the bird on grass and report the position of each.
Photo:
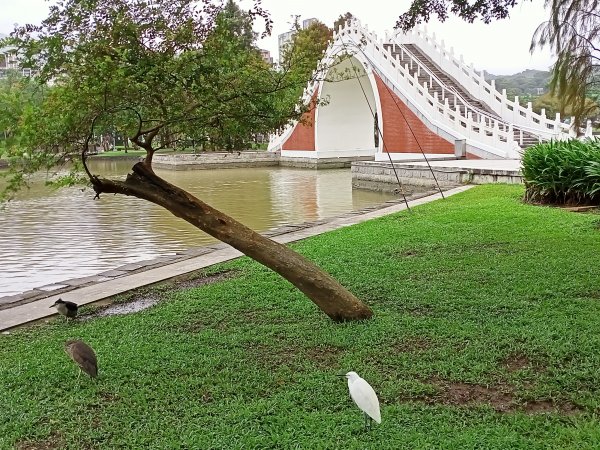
(67, 309)
(365, 398)
(83, 355)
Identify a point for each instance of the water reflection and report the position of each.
(50, 236)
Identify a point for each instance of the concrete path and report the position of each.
(488, 165)
(39, 309)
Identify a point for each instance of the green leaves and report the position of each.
(161, 72)
(572, 33)
(563, 172)
(484, 10)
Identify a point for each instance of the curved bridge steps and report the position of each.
(449, 85)
(449, 81)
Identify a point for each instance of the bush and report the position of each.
(563, 172)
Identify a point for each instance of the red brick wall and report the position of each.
(397, 135)
(303, 136)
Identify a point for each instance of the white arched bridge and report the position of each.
(406, 96)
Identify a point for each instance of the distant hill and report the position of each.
(529, 82)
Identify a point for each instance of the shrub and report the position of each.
(563, 172)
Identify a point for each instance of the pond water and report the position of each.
(48, 236)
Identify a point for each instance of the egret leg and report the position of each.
(367, 422)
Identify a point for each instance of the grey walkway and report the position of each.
(40, 309)
(487, 165)
(382, 175)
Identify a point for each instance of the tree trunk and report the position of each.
(329, 295)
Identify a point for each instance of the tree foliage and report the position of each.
(553, 104)
(342, 20)
(485, 10)
(239, 23)
(17, 93)
(302, 56)
(307, 46)
(526, 83)
(164, 72)
(573, 34)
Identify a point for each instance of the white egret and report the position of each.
(365, 398)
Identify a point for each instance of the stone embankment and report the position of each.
(366, 174)
(215, 160)
(223, 160)
(383, 176)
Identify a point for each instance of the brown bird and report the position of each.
(84, 357)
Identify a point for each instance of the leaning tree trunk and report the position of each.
(329, 295)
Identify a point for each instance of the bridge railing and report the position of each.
(492, 135)
(477, 114)
(476, 83)
(445, 91)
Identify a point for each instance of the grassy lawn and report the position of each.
(486, 335)
(120, 153)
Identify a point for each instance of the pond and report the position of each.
(52, 235)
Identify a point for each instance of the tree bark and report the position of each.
(326, 292)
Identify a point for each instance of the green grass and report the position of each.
(120, 153)
(478, 294)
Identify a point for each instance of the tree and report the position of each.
(528, 82)
(238, 23)
(553, 104)
(16, 93)
(303, 55)
(485, 10)
(342, 21)
(165, 71)
(572, 32)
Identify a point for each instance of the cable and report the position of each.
(392, 95)
(380, 134)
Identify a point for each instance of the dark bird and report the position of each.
(67, 309)
(84, 357)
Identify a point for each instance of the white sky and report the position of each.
(501, 47)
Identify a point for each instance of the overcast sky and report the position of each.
(501, 47)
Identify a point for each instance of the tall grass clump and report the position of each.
(563, 172)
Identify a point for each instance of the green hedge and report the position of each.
(563, 172)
